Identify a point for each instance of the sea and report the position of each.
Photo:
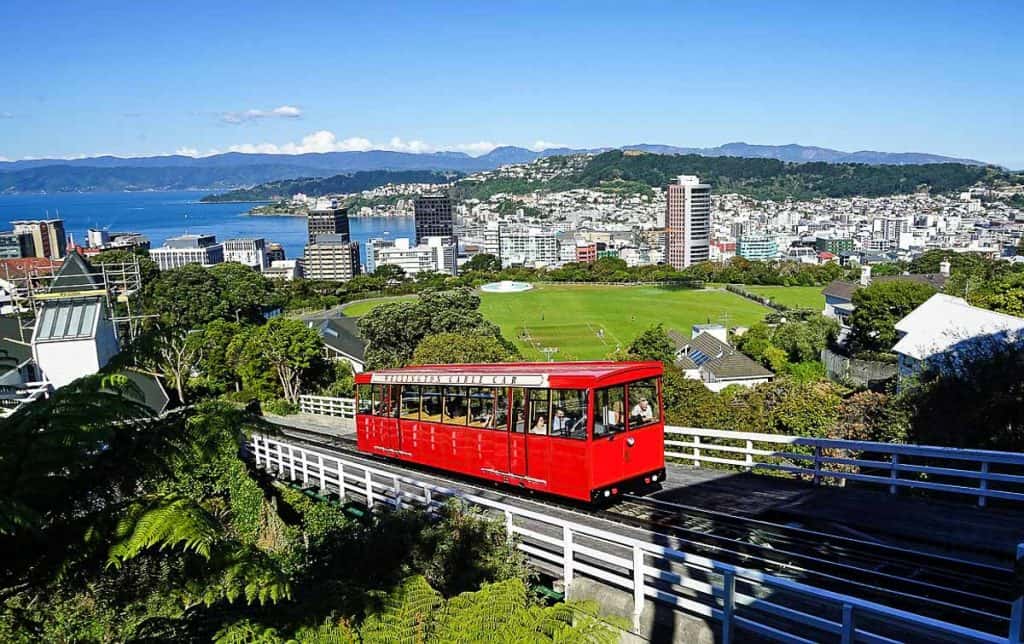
(159, 215)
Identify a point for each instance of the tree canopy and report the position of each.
(878, 308)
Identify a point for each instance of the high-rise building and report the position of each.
(48, 236)
(687, 222)
(327, 220)
(433, 217)
(16, 245)
(757, 247)
(332, 257)
(586, 252)
(188, 249)
(251, 252)
(834, 245)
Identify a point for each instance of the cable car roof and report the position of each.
(519, 374)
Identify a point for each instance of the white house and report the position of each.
(949, 328)
(708, 357)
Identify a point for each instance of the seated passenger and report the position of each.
(540, 426)
(520, 425)
(642, 411)
(560, 423)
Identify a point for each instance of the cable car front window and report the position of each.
(363, 392)
(609, 410)
(643, 403)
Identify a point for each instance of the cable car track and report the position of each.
(957, 590)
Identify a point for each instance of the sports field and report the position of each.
(795, 297)
(588, 322)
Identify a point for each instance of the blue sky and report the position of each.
(83, 78)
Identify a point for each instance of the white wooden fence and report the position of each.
(739, 599)
(982, 474)
(327, 406)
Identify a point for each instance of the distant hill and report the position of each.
(761, 178)
(236, 170)
(338, 184)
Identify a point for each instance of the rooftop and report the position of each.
(943, 322)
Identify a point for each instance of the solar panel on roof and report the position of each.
(698, 356)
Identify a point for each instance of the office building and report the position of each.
(531, 247)
(332, 257)
(436, 254)
(16, 245)
(275, 252)
(327, 220)
(757, 247)
(101, 239)
(433, 217)
(687, 222)
(586, 252)
(284, 269)
(251, 252)
(834, 245)
(188, 249)
(48, 237)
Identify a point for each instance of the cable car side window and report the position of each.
(363, 393)
(539, 411)
(518, 411)
(481, 407)
(643, 403)
(569, 413)
(411, 402)
(501, 410)
(455, 406)
(430, 409)
(609, 411)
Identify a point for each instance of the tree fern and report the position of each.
(407, 617)
(171, 522)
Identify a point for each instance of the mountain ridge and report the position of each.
(241, 170)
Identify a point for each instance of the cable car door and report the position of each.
(608, 440)
(517, 435)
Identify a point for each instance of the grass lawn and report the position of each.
(796, 297)
(588, 322)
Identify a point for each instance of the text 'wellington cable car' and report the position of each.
(584, 430)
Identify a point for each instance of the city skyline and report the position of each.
(146, 80)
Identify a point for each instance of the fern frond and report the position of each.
(170, 522)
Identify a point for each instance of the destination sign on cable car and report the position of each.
(480, 380)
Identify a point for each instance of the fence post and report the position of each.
(894, 473)
(256, 448)
(320, 469)
(341, 481)
(369, 488)
(1017, 613)
(398, 493)
(849, 629)
(817, 465)
(983, 485)
(291, 460)
(427, 501)
(305, 468)
(638, 586)
(728, 605)
(568, 558)
(750, 455)
(508, 525)
(696, 450)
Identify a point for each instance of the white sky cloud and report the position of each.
(284, 111)
(541, 144)
(327, 141)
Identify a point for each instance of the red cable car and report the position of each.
(583, 430)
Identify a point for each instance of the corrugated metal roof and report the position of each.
(67, 320)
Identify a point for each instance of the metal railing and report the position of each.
(982, 474)
(327, 406)
(738, 599)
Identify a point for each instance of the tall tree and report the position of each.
(185, 297)
(292, 350)
(243, 291)
(877, 310)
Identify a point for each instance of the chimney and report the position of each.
(865, 275)
(944, 267)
